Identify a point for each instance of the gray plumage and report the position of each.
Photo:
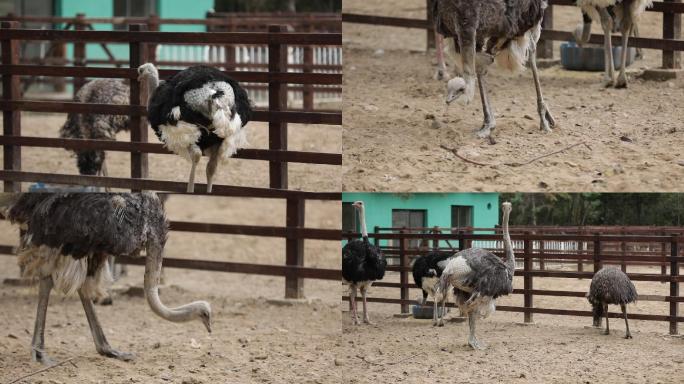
(97, 126)
(505, 31)
(67, 239)
(610, 286)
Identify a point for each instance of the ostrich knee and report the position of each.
(628, 335)
(38, 342)
(626, 32)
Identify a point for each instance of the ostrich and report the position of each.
(362, 263)
(479, 277)
(97, 126)
(627, 14)
(426, 273)
(68, 238)
(610, 286)
(582, 33)
(505, 31)
(198, 109)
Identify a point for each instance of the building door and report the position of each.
(350, 218)
(133, 8)
(34, 49)
(461, 216)
(409, 218)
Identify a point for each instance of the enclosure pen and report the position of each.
(605, 249)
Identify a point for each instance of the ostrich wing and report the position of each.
(489, 275)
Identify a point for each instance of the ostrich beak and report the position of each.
(207, 323)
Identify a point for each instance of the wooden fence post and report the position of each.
(672, 29)
(229, 52)
(542, 261)
(431, 30)
(308, 93)
(623, 253)
(277, 101)
(11, 119)
(674, 285)
(403, 279)
(663, 267)
(138, 97)
(461, 241)
(545, 47)
(580, 248)
(79, 51)
(294, 248)
(597, 252)
(527, 279)
(152, 26)
(376, 230)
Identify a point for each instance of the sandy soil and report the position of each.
(390, 143)
(254, 340)
(555, 349)
(252, 173)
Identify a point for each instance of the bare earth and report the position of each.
(253, 339)
(390, 143)
(554, 349)
(240, 172)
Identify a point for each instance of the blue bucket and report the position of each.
(591, 58)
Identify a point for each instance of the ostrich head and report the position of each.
(506, 207)
(460, 90)
(358, 205)
(147, 70)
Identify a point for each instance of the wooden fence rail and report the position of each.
(671, 43)
(597, 256)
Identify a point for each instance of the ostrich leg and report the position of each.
(607, 24)
(352, 300)
(211, 167)
(38, 342)
(440, 323)
(628, 335)
(105, 173)
(635, 33)
(626, 31)
(101, 344)
(546, 120)
(605, 313)
(364, 291)
(435, 311)
(472, 340)
(195, 155)
(441, 66)
(483, 61)
(466, 40)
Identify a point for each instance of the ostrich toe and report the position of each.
(621, 81)
(485, 131)
(41, 357)
(476, 344)
(113, 353)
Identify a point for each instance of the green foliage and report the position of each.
(277, 5)
(572, 209)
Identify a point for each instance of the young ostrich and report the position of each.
(97, 126)
(198, 109)
(67, 241)
(479, 277)
(610, 286)
(505, 31)
(362, 263)
(626, 15)
(426, 273)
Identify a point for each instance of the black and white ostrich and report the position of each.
(67, 240)
(427, 270)
(624, 13)
(505, 31)
(362, 263)
(479, 277)
(198, 110)
(583, 31)
(97, 126)
(610, 286)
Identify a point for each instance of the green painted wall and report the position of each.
(379, 207)
(183, 9)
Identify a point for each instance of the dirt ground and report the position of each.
(240, 172)
(391, 144)
(554, 349)
(253, 339)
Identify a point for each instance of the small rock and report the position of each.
(379, 52)
(429, 116)
(617, 168)
(626, 139)
(672, 130)
(435, 124)
(528, 117)
(370, 108)
(12, 336)
(339, 362)
(191, 380)
(194, 344)
(522, 376)
(156, 345)
(680, 162)
(261, 357)
(165, 377)
(543, 185)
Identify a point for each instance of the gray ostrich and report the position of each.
(627, 14)
(505, 31)
(479, 277)
(67, 241)
(97, 126)
(610, 286)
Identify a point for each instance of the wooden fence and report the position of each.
(277, 115)
(600, 253)
(671, 43)
(305, 58)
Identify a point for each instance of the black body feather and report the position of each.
(362, 261)
(430, 265)
(170, 94)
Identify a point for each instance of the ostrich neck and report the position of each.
(362, 213)
(152, 271)
(508, 247)
(152, 84)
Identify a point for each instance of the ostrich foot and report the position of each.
(440, 323)
(40, 356)
(628, 336)
(367, 321)
(608, 82)
(476, 344)
(113, 353)
(485, 131)
(621, 81)
(441, 74)
(606, 332)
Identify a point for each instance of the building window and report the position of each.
(461, 216)
(409, 218)
(350, 218)
(133, 8)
